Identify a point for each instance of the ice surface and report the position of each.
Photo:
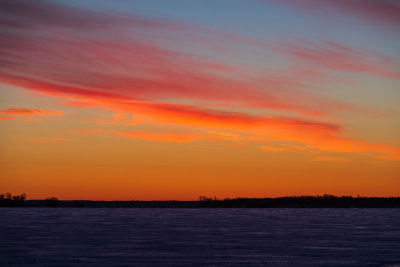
(199, 237)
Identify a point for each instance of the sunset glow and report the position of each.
(161, 100)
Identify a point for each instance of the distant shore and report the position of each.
(325, 201)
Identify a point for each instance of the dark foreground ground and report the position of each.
(199, 237)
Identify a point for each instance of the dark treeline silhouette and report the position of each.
(51, 202)
(324, 201)
(8, 200)
(114, 204)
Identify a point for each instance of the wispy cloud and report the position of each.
(338, 57)
(45, 139)
(6, 118)
(30, 112)
(125, 63)
(329, 159)
(375, 12)
(60, 59)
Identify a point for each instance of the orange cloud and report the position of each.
(91, 131)
(174, 136)
(351, 145)
(21, 119)
(119, 116)
(226, 135)
(123, 119)
(6, 118)
(144, 76)
(165, 136)
(282, 149)
(176, 114)
(30, 112)
(256, 128)
(45, 139)
(329, 159)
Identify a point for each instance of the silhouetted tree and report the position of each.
(205, 198)
(51, 202)
(22, 199)
(8, 200)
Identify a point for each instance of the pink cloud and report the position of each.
(337, 57)
(62, 62)
(121, 63)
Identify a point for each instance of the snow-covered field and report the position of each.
(199, 237)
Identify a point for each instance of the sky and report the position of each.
(172, 100)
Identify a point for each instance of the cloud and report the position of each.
(27, 14)
(92, 131)
(329, 159)
(6, 118)
(45, 139)
(375, 12)
(51, 54)
(171, 136)
(282, 149)
(30, 112)
(226, 135)
(119, 116)
(163, 113)
(338, 57)
(135, 65)
(352, 145)
(166, 136)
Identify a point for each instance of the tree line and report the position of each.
(324, 201)
(9, 200)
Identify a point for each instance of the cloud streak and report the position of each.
(58, 58)
(30, 112)
(381, 12)
(126, 64)
(337, 57)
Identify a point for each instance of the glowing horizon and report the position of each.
(162, 100)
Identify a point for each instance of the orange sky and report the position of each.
(123, 105)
